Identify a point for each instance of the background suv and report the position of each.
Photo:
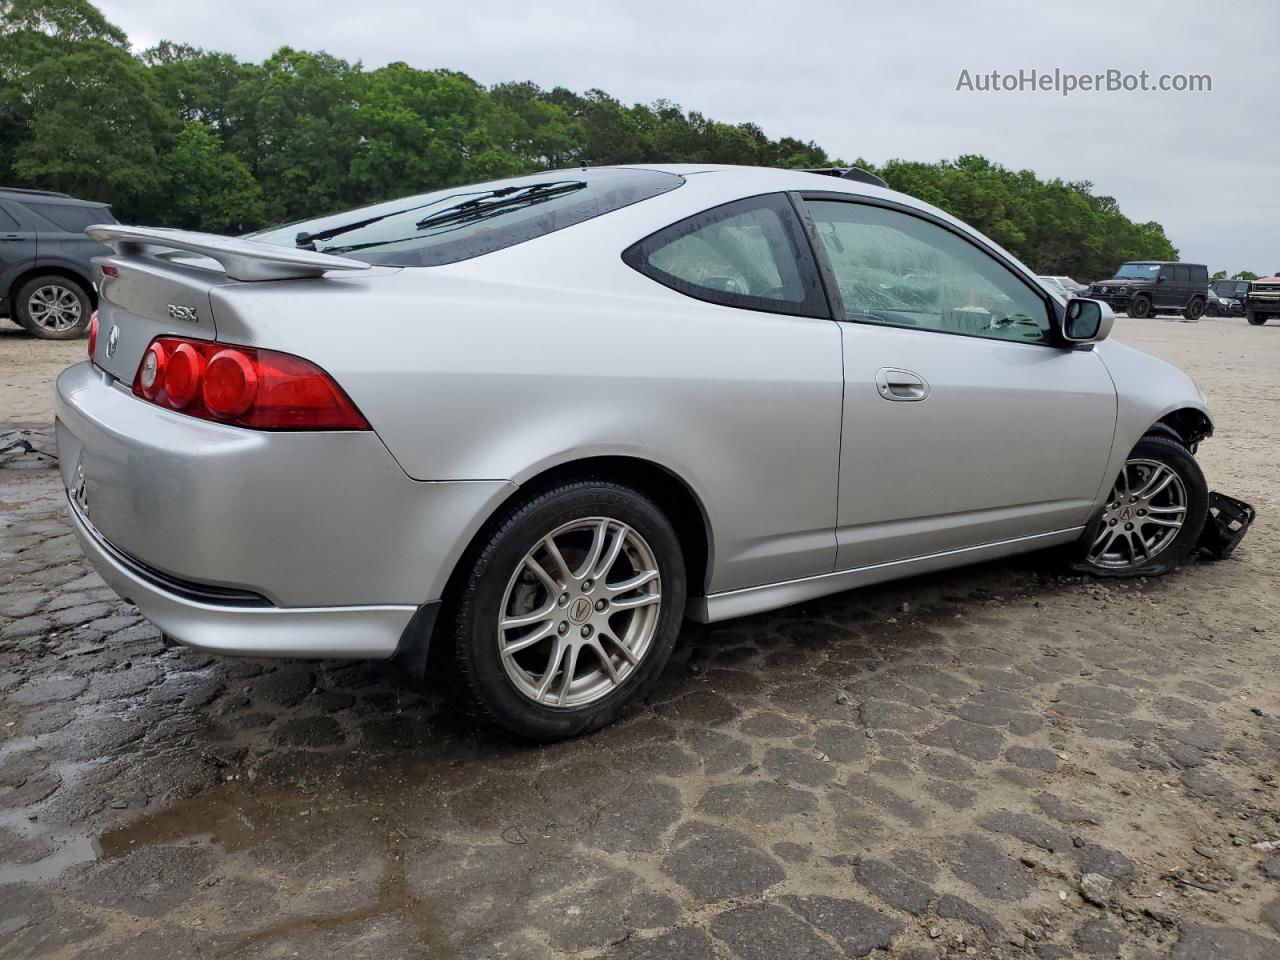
(46, 282)
(1262, 299)
(1148, 287)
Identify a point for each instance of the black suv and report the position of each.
(1148, 287)
(1262, 299)
(46, 281)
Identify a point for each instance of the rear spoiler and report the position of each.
(240, 259)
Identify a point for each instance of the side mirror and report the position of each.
(1086, 321)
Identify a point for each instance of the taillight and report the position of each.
(93, 333)
(243, 386)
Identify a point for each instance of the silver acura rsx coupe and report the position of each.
(535, 423)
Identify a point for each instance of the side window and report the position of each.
(1182, 274)
(749, 254)
(7, 223)
(71, 217)
(1166, 273)
(901, 270)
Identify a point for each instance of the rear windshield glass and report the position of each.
(464, 222)
(72, 217)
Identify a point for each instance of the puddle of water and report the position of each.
(71, 850)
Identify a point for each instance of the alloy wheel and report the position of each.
(1143, 515)
(54, 308)
(579, 612)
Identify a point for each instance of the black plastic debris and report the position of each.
(1226, 525)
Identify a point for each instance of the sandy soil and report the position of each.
(28, 368)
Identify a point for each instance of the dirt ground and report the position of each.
(995, 762)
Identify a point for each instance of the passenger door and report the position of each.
(17, 245)
(1165, 294)
(964, 423)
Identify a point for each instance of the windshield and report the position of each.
(1137, 271)
(463, 222)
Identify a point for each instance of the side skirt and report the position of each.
(771, 596)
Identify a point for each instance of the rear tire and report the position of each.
(548, 642)
(1194, 310)
(53, 307)
(1140, 308)
(1133, 534)
(1255, 319)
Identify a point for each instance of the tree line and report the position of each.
(186, 137)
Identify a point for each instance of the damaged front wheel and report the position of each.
(1153, 515)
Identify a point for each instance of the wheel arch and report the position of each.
(1188, 425)
(51, 269)
(671, 492)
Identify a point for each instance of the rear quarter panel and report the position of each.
(554, 350)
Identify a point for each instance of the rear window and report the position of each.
(464, 222)
(72, 217)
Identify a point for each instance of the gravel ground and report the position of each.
(995, 762)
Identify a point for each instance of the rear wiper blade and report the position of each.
(307, 240)
(498, 201)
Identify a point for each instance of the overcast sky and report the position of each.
(871, 80)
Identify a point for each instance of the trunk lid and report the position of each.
(159, 282)
(145, 300)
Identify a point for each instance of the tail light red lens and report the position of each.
(182, 375)
(261, 389)
(93, 333)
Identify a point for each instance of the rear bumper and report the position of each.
(369, 632)
(245, 541)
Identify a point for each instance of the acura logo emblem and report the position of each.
(580, 611)
(113, 341)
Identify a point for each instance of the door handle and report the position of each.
(903, 385)
(10, 238)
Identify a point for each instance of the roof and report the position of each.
(48, 196)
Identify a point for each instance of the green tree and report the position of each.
(95, 128)
(300, 133)
(209, 188)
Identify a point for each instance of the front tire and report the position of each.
(1140, 308)
(1255, 319)
(52, 307)
(1153, 515)
(570, 610)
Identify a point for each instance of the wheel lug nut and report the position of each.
(1142, 513)
(1128, 526)
(601, 604)
(586, 586)
(564, 599)
(1113, 523)
(586, 631)
(563, 628)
